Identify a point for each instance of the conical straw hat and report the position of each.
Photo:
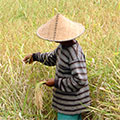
(60, 29)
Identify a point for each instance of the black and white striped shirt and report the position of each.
(71, 93)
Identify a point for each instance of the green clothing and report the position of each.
(68, 117)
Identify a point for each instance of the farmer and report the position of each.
(71, 90)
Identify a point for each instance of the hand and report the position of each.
(28, 59)
(50, 82)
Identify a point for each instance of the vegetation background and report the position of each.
(19, 20)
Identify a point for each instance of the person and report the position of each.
(71, 89)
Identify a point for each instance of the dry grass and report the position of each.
(19, 20)
(39, 92)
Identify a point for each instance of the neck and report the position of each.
(68, 43)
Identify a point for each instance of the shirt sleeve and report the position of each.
(48, 58)
(78, 77)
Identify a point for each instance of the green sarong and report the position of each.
(61, 116)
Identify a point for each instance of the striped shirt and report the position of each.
(71, 93)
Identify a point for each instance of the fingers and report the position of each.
(50, 82)
(28, 59)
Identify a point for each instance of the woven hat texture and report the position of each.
(60, 29)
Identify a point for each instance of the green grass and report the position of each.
(19, 20)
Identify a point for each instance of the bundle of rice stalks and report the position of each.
(39, 95)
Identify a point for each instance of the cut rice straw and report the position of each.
(39, 95)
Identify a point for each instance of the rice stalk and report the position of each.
(39, 95)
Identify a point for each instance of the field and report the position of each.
(19, 20)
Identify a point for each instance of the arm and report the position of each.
(45, 58)
(48, 59)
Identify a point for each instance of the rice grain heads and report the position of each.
(39, 95)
